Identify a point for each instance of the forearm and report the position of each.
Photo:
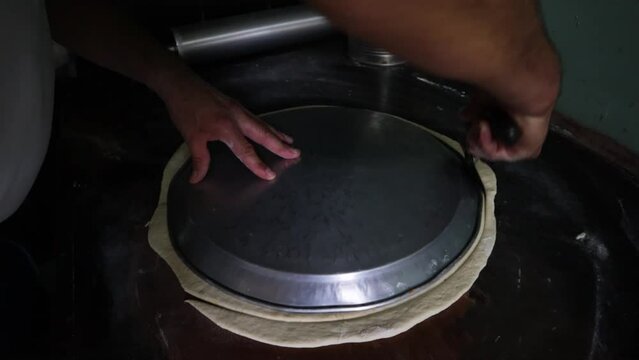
(497, 45)
(95, 30)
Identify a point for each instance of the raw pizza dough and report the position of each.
(277, 327)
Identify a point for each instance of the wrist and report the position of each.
(168, 78)
(532, 85)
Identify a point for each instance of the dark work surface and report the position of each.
(547, 292)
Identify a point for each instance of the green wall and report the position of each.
(599, 45)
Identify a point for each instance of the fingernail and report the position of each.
(296, 152)
(270, 175)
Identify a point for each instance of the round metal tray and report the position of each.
(376, 206)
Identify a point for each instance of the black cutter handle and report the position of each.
(503, 128)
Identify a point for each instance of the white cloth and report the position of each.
(26, 98)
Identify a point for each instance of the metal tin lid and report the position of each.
(375, 206)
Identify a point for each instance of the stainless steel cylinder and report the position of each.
(249, 33)
(365, 53)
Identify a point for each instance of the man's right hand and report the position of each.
(482, 143)
(499, 46)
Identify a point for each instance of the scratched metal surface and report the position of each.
(562, 282)
(374, 208)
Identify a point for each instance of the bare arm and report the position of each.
(498, 45)
(96, 31)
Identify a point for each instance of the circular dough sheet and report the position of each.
(296, 329)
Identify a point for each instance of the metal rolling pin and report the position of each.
(249, 33)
